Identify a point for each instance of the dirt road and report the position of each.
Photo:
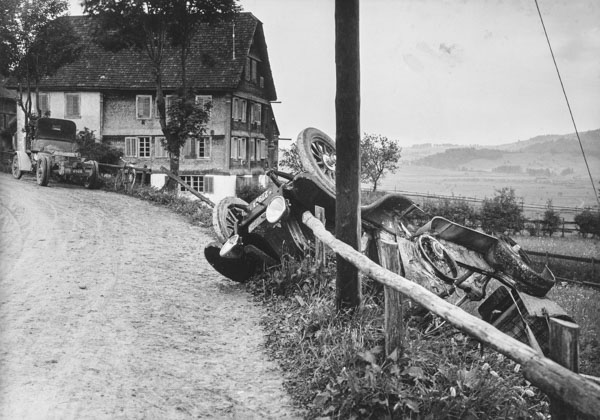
(109, 310)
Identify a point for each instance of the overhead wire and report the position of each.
(568, 104)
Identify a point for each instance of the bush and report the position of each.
(551, 219)
(249, 192)
(502, 213)
(456, 210)
(92, 150)
(588, 222)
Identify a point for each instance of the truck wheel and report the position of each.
(16, 168)
(42, 173)
(91, 181)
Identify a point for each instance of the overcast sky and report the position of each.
(457, 71)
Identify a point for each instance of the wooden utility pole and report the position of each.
(347, 173)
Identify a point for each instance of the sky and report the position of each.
(439, 71)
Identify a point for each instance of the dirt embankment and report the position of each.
(108, 309)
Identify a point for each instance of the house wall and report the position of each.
(90, 104)
(120, 121)
(90, 113)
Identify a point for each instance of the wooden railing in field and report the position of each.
(560, 383)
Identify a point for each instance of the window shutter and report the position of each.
(72, 105)
(186, 150)
(248, 69)
(243, 110)
(159, 150)
(131, 146)
(208, 184)
(242, 153)
(43, 103)
(258, 114)
(234, 148)
(235, 111)
(143, 107)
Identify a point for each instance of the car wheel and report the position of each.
(317, 155)
(516, 264)
(226, 214)
(438, 258)
(16, 168)
(42, 173)
(91, 181)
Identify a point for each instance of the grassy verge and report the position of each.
(196, 212)
(335, 366)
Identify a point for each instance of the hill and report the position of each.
(547, 155)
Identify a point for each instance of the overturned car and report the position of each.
(487, 275)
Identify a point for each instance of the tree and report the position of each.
(290, 159)
(502, 212)
(153, 26)
(34, 42)
(378, 156)
(551, 219)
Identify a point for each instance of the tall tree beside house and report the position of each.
(151, 26)
(34, 42)
(378, 155)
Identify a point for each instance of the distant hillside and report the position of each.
(457, 157)
(539, 156)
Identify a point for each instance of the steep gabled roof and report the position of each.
(211, 66)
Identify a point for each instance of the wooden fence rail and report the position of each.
(553, 379)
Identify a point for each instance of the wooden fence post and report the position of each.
(564, 350)
(394, 318)
(319, 245)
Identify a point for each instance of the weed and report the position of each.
(336, 367)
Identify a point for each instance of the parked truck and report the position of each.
(53, 152)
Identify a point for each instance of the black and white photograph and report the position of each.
(300, 209)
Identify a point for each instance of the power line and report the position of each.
(568, 104)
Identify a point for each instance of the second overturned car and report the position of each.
(490, 276)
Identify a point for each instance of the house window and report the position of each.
(203, 146)
(159, 149)
(137, 147)
(144, 147)
(256, 114)
(131, 147)
(143, 107)
(239, 109)
(198, 183)
(203, 100)
(44, 104)
(72, 105)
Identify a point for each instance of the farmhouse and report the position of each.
(114, 95)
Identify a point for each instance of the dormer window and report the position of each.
(252, 70)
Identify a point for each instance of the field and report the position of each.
(563, 191)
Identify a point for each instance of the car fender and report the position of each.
(24, 161)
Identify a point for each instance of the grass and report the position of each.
(334, 363)
(336, 367)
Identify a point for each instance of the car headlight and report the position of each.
(276, 209)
